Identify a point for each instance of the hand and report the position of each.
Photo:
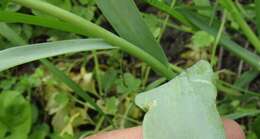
(233, 131)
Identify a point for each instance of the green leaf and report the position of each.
(129, 24)
(166, 8)
(246, 78)
(3, 4)
(230, 6)
(108, 79)
(128, 84)
(9, 6)
(64, 4)
(183, 108)
(240, 113)
(111, 105)
(19, 55)
(3, 130)
(56, 102)
(84, 2)
(15, 115)
(202, 39)
(40, 132)
(225, 40)
(86, 12)
(11, 17)
(256, 126)
(188, 17)
(38, 51)
(74, 86)
(93, 30)
(153, 23)
(203, 3)
(9, 33)
(257, 10)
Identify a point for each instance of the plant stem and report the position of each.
(165, 22)
(199, 22)
(94, 30)
(97, 72)
(214, 49)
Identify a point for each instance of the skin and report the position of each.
(233, 131)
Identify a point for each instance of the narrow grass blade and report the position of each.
(238, 17)
(203, 3)
(19, 55)
(74, 86)
(236, 88)
(227, 43)
(257, 11)
(246, 78)
(166, 8)
(94, 30)
(198, 22)
(53, 50)
(127, 21)
(242, 113)
(12, 17)
(9, 33)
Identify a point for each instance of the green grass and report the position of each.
(74, 93)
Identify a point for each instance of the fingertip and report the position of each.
(233, 130)
(130, 133)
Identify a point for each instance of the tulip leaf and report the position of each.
(183, 108)
(23, 54)
(126, 19)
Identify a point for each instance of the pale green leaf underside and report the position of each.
(183, 108)
(22, 54)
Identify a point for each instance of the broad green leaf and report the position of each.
(108, 79)
(56, 102)
(19, 55)
(15, 115)
(40, 132)
(202, 39)
(183, 108)
(111, 105)
(128, 84)
(127, 21)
